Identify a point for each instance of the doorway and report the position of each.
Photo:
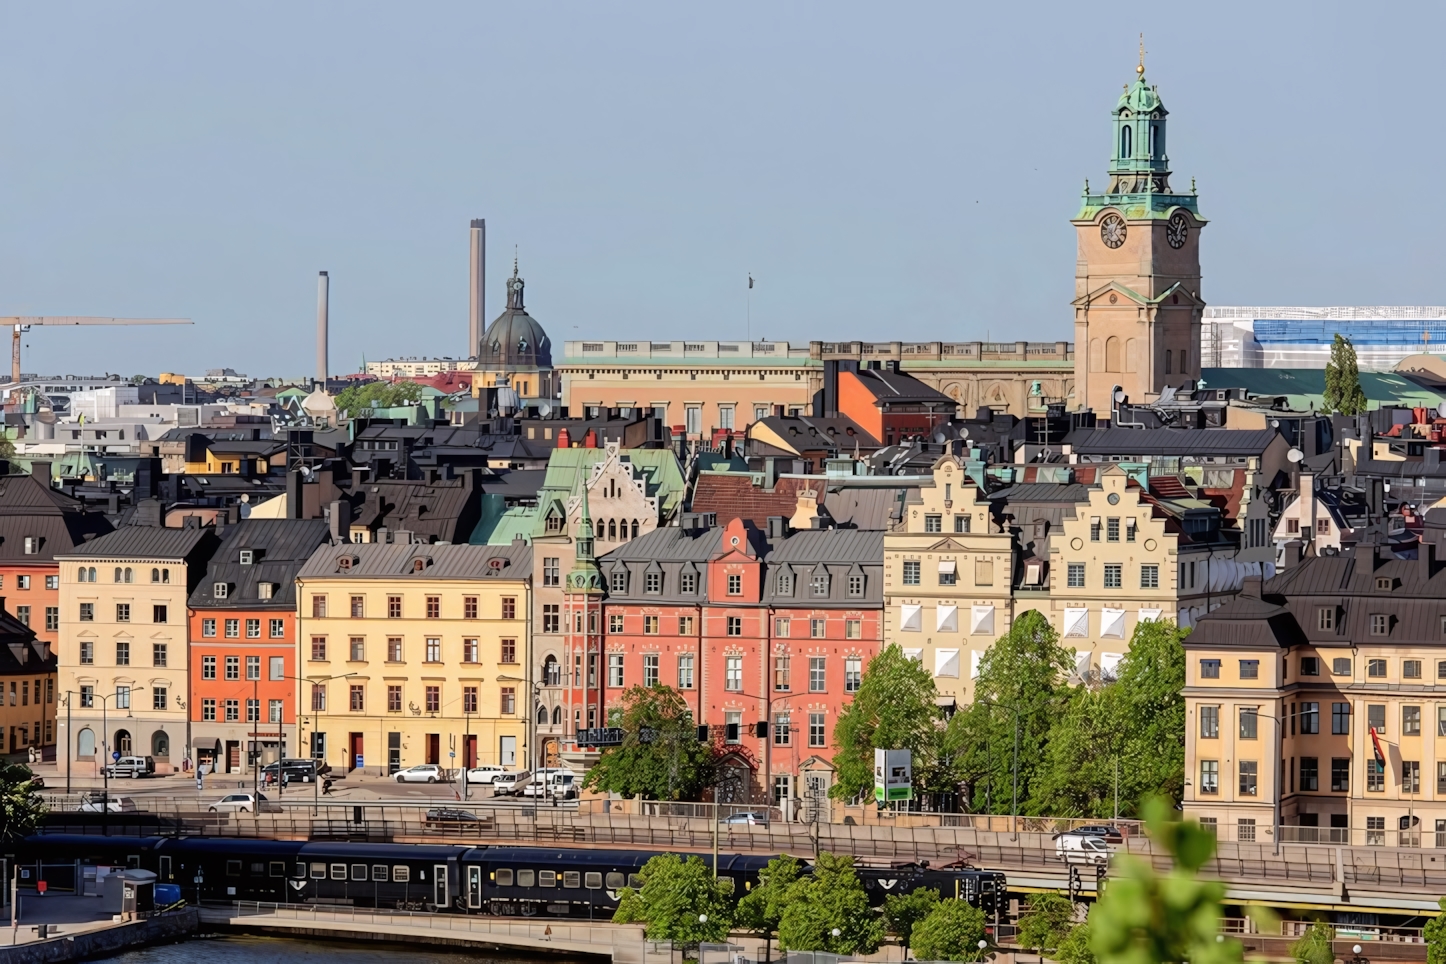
(355, 745)
(469, 751)
(434, 748)
(233, 756)
(394, 753)
(507, 751)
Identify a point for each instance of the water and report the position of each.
(244, 949)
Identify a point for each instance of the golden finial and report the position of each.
(1140, 70)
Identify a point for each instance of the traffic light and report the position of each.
(1076, 885)
(760, 729)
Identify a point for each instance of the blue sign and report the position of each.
(115, 755)
(358, 762)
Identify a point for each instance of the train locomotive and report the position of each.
(501, 880)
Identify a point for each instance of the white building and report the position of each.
(1283, 337)
(412, 367)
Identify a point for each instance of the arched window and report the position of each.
(80, 576)
(1112, 354)
(85, 743)
(165, 575)
(1097, 355)
(155, 575)
(541, 714)
(117, 573)
(635, 528)
(1125, 146)
(612, 528)
(1154, 140)
(1184, 360)
(602, 529)
(1168, 357)
(550, 674)
(557, 716)
(1132, 355)
(123, 742)
(160, 744)
(130, 574)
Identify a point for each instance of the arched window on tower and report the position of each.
(1184, 360)
(1167, 362)
(612, 529)
(1154, 140)
(1112, 354)
(1125, 150)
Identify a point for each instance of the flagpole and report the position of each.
(749, 316)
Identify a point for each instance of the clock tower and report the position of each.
(1137, 303)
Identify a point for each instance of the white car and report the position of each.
(552, 783)
(422, 773)
(511, 783)
(484, 774)
(111, 804)
(241, 803)
(1079, 848)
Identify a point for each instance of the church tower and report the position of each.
(1137, 304)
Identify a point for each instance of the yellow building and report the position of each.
(947, 576)
(122, 652)
(415, 652)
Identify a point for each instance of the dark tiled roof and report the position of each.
(831, 546)
(20, 652)
(280, 546)
(29, 508)
(887, 386)
(1052, 493)
(145, 542)
(397, 561)
(446, 510)
(1126, 442)
(1246, 622)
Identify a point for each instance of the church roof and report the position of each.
(515, 341)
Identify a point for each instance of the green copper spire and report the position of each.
(584, 576)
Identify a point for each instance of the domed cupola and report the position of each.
(515, 342)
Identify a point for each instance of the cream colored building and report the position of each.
(123, 661)
(415, 652)
(947, 577)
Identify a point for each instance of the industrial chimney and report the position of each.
(477, 278)
(322, 296)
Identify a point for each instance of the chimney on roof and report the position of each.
(341, 521)
(1251, 587)
(323, 285)
(477, 288)
(1291, 553)
(1426, 558)
(564, 438)
(777, 528)
(892, 365)
(40, 471)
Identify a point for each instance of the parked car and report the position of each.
(1081, 848)
(1109, 833)
(552, 783)
(295, 771)
(100, 803)
(451, 815)
(751, 818)
(422, 773)
(131, 766)
(484, 774)
(511, 783)
(243, 803)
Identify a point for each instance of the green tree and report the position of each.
(21, 806)
(1075, 948)
(1314, 946)
(677, 893)
(1145, 917)
(894, 709)
(1435, 934)
(761, 909)
(660, 758)
(1047, 920)
(951, 932)
(359, 400)
(902, 912)
(831, 898)
(1022, 675)
(1343, 393)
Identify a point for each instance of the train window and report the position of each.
(504, 878)
(338, 871)
(318, 871)
(401, 874)
(278, 868)
(571, 878)
(358, 871)
(379, 872)
(593, 880)
(526, 878)
(134, 861)
(165, 868)
(233, 868)
(547, 878)
(258, 869)
(635, 881)
(615, 880)
(299, 872)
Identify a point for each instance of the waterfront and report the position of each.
(247, 949)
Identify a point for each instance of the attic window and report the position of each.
(1385, 583)
(554, 523)
(247, 557)
(496, 563)
(344, 563)
(32, 545)
(219, 590)
(265, 590)
(419, 565)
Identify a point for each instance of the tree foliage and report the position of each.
(894, 709)
(1047, 920)
(673, 765)
(1435, 934)
(21, 805)
(676, 893)
(359, 400)
(1146, 918)
(1075, 948)
(1314, 946)
(761, 909)
(1343, 394)
(831, 898)
(902, 912)
(951, 932)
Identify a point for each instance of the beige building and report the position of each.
(413, 653)
(123, 661)
(947, 578)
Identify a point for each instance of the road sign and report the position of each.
(115, 755)
(893, 775)
(601, 736)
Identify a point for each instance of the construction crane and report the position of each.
(21, 325)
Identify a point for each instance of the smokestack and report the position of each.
(477, 276)
(322, 297)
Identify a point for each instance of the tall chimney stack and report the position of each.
(322, 297)
(477, 276)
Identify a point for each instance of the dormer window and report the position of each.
(248, 556)
(32, 545)
(1385, 583)
(419, 565)
(219, 590)
(819, 583)
(344, 563)
(265, 590)
(785, 581)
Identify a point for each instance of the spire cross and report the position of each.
(1141, 68)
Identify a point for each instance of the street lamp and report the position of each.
(1014, 805)
(105, 745)
(316, 776)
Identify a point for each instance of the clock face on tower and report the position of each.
(1177, 230)
(1112, 230)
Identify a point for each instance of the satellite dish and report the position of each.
(1295, 455)
(1441, 409)
(963, 433)
(545, 409)
(1275, 423)
(306, 471)
(1119, 395)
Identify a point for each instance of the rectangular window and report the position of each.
(394, 649)
(394, 607)
(1410, 669)
(961, 523)
(733, 674)
(22, 613)
(781, 626)
(1112, 529)
(933, 523)
(912, 568)
(1309, 666)
(685, 625)
(1249, 773)
(434, 607)
(87, 697)
(853, 629)
(650, 625)
(122, 612)
(817, 628)
(1309, 718)
(433, 695)
(1376, 718)
(52, 619)
(781, 674)
(508, 701)
(208, 710)
(615, 670)
(551, 618)
(318, 607)
(782, 729)
(735, 584)
(318, 648)
(278, 629)
(853, 674)
(357, 649)
(735, 625)
(253, 711)
(434, 648)
(688, 582)
(253, 629)
(1410, 721)
(816, 729)
(615, 623)
(87, 652)
(551, 576)
(1210, 722)
(817, 679)
(158, 614)
(208, 627)
(358, 607)
(732, 727)
(509, 651)
(469, 699)
(1380, 624)
(948, 576)
(1340, 774)
(208, 667)
(1410, 776)
(1309, 773)
(318, 698)
(1075, 575)
(233, 711)
(358, 698)
(159, 654)
(122, 654)
(653, 583)
(650, 669)
(1249, 716)
(1341, 719)
(276, 668)
(1376, 668)
(685, 671)
(1326, 619)
(233, 629)
(1250, 669)
(1210, 669)
(394, 698)
(1375, 778)
(158, 697)
(1095, 526)
(253, 667)
(1244, 826)
(87, 612)
(1440, 784)
(1112, 575)
(1209, 776)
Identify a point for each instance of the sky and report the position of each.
(883, 171)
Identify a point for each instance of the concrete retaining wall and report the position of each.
(157, 930)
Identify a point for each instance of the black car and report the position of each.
(451, 815)
(1109, 833)
(295, 771)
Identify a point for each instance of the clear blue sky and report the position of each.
(884, 171)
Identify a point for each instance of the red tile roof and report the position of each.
(734, 496)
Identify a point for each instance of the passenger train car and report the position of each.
(503, 881)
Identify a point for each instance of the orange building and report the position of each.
(242, 617)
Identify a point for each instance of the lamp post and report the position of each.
(105, 746)
(1014, 804)
(316, 776)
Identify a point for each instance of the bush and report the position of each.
(951, 932)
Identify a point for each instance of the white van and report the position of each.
(510, 784)
(560, 783)
(1080, 848)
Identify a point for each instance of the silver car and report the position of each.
(422, 773)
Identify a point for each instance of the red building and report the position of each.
(242, 634)
(753, 628)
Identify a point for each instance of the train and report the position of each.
(503, 881)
